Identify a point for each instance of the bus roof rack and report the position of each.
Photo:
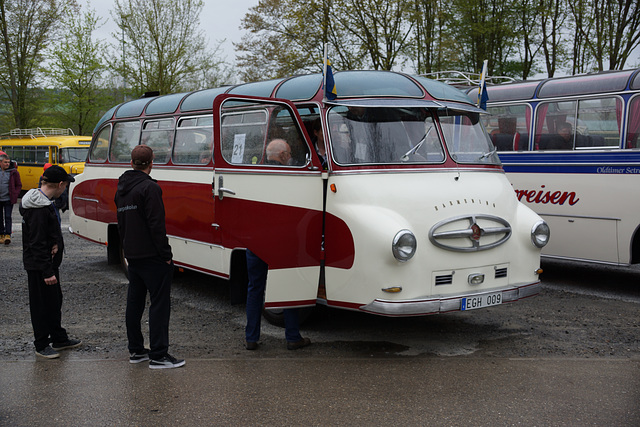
(462, 78)
(37, 132)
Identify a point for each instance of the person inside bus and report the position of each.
(566, 133)
(10, 186)
(278, 153)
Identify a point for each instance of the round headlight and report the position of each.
(404, 245)
(540, 234)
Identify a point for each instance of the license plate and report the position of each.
(481, 301)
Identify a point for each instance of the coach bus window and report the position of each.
(598, 123)
(125, 136)
(158, 134)
(466, 138)
(555, 125)
(383, 135)
(193, 144)
(98, 152)
(508, 127)
(633, 128)
(243, 136)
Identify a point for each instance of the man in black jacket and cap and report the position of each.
(141, 223)
(42, 249)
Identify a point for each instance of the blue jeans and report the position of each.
(7, 209)
(257, 271)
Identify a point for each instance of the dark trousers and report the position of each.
(45, 304)
(154, 276)
(5, 217)
(257, 271)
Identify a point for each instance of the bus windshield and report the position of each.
(383, 135)
(73, 155)
(466, 138)
(380, 135)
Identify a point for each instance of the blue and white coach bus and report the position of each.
(571, 148)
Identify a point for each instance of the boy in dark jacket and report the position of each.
(141, 223)
(43, 247)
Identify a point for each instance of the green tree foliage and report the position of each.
(165, 48)
(519, 38)
(27, 27)
(76, 66)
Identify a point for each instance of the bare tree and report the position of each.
(166, 49)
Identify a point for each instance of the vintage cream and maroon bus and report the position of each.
(411, 213)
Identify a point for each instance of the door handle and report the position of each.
(222, 190)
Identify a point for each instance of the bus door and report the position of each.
(268, 192)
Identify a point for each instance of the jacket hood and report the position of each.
(34, 199)
(130, 179)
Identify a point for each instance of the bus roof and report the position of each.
(584, 84)
(349, 84)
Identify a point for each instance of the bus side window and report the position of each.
(100, 146)
(193, 142)
(158, 135)
(243, 136)
(125, 136)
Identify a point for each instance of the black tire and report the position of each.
(275, 316)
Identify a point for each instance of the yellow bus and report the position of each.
(32, 148)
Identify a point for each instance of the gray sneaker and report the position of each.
(48, 353)
(139, 356)
(167, 362)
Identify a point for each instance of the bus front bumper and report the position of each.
(420, 307)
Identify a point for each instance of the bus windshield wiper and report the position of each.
(485, 155)
(417, 146)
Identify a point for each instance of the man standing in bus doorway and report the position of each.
(10, 186)
(141, 223)
(42, 249)
(278, 153)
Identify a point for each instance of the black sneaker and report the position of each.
(48, 353)
(139, 356)
(67, 344)
(167, 362)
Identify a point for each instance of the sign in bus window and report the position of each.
(243, 136)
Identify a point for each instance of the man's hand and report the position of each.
(54, 250)
(51, 280)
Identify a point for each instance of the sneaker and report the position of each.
(7, 239)
(167, 362)
(251, 345)
(139, 356)
(2, 238)
(48, 353)
(66, 344)
(298, 344)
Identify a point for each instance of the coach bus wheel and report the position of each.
(275, 316)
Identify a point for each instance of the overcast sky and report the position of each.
(220, 19)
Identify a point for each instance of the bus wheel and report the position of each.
(275, 316)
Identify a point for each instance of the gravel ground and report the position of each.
(583, 311)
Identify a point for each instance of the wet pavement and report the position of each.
(321, 391)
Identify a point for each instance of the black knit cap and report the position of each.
(142, 155)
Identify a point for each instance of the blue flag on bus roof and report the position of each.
(330, 91)
(484, 96)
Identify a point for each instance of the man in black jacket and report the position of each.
(43, 247)
(141, 223)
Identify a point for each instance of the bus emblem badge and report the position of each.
(477, 232)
